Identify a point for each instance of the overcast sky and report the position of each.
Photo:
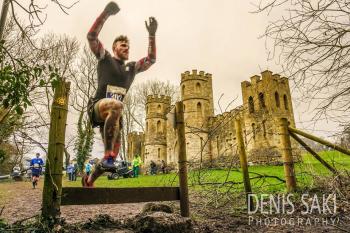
(219, 37)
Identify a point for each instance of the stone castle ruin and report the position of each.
(211, 138)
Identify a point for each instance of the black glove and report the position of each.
(152, 26)
(112, 8)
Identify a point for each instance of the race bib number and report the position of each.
(36, 165)
(115, 92)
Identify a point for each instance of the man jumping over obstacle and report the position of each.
(114, 79)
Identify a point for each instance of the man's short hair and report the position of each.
(120, 38)
(37, 154)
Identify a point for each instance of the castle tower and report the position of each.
(135, 145)
(197, 97)
(155, 134)
(266, 98)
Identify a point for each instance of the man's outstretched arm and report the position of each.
(146, 62)
(92, 36)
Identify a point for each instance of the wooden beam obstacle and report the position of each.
(89, 196)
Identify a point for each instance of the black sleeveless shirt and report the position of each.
(111, 71)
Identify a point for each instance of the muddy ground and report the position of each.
(19, 201)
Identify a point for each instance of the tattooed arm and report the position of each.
(146, 62)
(92, 36)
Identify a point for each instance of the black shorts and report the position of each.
(90, 111)
(94, 122)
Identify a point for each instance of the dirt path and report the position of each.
(20, 201)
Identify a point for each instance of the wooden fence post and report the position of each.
(180, 128)
(54, 162)
(287, 156)
(244, 165)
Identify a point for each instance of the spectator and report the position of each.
(136, 163)
(75, 172)
(153, 167)
(163, 166)
(16, 168)
(70, 170)
(88, 168)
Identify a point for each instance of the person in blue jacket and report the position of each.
(36, 165)
(70, 171)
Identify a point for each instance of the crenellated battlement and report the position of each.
(195, 75)
(135, 134)
(158, 99)
(266, 76)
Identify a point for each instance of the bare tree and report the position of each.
(84, 78)
(58, 53)
(312, 41)
(155, 87)
(134, 112)
(35, 11)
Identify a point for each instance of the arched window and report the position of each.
(183, 90)
(147, 127)
(218, 145)
(277, 99)
(184, 108)
(199, 109)
(198, 87)
(285, 100)
(253, 130)
(147, 110)
(159, 108)
(176, 149)
(264, 127)
(158, 153)
(159, 127)
(251, 104)
(261, 100)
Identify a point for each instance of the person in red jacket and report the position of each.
(114, 79)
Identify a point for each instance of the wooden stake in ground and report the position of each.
(54, 162)
(180, 129)
(287, 156)
(244, 165)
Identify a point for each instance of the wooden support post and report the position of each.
(287, 156)
(312, 152)
(319, 140)
(180, 129)
(244, 165)
(54, 162)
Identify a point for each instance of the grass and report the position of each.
(305, 172)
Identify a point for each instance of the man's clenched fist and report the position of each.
(112, 8)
